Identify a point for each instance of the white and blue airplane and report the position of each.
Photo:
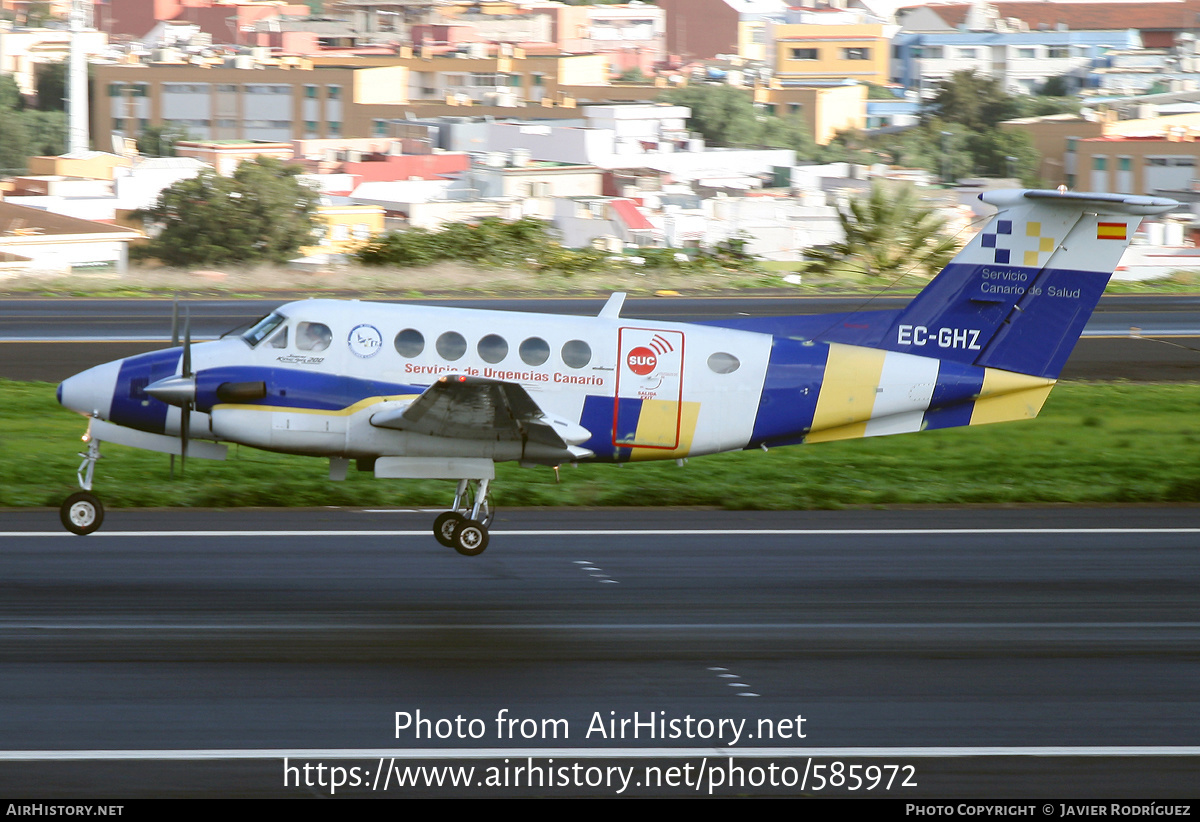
(425, 392)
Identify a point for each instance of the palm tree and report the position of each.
(889, 233)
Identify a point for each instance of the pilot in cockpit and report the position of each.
(313, 336)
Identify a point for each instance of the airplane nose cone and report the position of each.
(91, 391)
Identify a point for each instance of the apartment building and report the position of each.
(1135, 164)
(815, 52)
(1021, 60)
(1135, 156)
(701, 29)
(329, 97)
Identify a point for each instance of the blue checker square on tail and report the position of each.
(1002, 255)
(989, 240)
(1004, 226)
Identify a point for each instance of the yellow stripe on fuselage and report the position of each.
(848, 393)
(656, 423)
(341, 412)
(1007, 396)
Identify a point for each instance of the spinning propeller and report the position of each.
(180, 390)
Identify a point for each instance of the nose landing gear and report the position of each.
(465, 526)
(82, 512)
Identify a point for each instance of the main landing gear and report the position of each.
(82, 512)
(465, 526)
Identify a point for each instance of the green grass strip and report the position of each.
(1093, 443)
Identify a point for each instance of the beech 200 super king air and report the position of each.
(422, 392)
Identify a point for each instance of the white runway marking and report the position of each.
(44, 625)
(628, 532)
(195, 754)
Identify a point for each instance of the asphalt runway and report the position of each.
(969, 653)
(957, 653)
(1146, 338)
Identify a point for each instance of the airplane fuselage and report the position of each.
(311, 379)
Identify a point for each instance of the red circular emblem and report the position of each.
(641, 360)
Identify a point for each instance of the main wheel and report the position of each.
(445, 525)
(471, 538)
(81, 513)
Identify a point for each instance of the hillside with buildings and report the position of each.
(683, 124)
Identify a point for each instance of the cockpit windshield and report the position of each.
(262, 328)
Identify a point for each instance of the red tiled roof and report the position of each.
(628, 214)
(1155, 14)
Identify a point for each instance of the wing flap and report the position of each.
(464, 407)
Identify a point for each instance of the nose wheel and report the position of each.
(81, 513)
(465, 527)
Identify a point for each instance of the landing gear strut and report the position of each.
(82, 512)
(465, 526)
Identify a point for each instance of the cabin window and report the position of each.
(493, 348)
(451, 346)
(410, 343)
(534, 351)
(280, 339)
(576, 353)
(722, 363)
(313, 336)
(259, 331)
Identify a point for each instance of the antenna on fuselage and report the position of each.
(612, 308)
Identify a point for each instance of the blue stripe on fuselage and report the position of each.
(131, 406)
(599, 415)
(866, 328)
(293, 388)
(954, 396)
(790, 390)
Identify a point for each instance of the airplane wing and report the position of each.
(464, 407)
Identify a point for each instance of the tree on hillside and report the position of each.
(973, 100)
(50, 80)
(10, 94)
(888, 233)
(726, 116)
(47, 132)
(14, 144)
(1056, 86)
(261, 213)
(159, 141)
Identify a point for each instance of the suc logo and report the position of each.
(641, 360)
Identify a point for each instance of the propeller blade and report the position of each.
(174, 342)
(185, 424)
(187, 342)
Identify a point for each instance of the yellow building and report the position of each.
(809, 52)
(345, 227)
(826, 109)
(95, 165)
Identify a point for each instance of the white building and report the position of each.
(635, 136)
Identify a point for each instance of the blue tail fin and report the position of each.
(1018, 295)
